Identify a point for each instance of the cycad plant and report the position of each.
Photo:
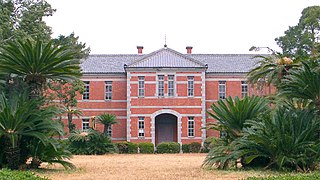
(303, 83)
(285, 140)
(231, 114)
(107, 120)
(22, 119)
(271, 70)
(37, 62)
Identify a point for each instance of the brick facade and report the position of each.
(180, 111)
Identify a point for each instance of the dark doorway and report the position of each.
(166, 128)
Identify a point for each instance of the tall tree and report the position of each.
(302, 40)
(24, 19)
(80, 49)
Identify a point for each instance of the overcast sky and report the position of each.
(210, 26)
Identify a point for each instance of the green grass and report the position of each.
(19, 175)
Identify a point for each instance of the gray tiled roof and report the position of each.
(227, 63)
(217, 63)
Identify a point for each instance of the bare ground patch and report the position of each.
(140, 166)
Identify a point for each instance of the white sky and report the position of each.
(210, 26)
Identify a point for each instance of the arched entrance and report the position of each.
(166, 128)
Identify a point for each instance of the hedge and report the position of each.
(146, 148)
(127, 147)
(194, 147)
(168, 147)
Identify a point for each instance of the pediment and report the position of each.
(166, 58)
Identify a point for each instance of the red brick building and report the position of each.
(161, 96)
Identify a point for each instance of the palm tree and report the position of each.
(107, 120)
(70, 112)
(270, 70)
(37, 62)
(303, 83)
(20, 117)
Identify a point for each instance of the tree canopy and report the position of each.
(303, 39)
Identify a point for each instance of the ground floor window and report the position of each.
(141, 127)
(191, 126)
(109, 131)
(85, 124)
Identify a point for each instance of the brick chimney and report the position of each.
(140, 48)
(189, 49)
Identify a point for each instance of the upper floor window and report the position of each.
(244, 88)
(222, 89)
(191, 126)
(161, 85)
(85, 124)
(86, 92)
(140, 126)
(190, 86)
(108, 90)
(170, 85)
(141, 86)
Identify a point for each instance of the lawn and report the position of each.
(141, 166)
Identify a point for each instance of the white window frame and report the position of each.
(171, 85)
(109, 131)
(190, 86)
(141, 85)
(160, 90)
(141, 126)
(86, 92)
(244, 89)
(85, 124)
(108, 90)
(191, 126)
(222, 90)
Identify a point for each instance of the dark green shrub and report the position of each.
(146, 148)
(125, 147)
(194, 147)
(132, 148)
(168, 147)
(186, 148)
(122, 147)
(208, 144)
(90, 142)
(19, 175)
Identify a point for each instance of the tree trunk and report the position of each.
(105, 130)
(13, 157)
(70, 124)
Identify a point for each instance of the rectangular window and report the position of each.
(191, 126)
(222, 89)
(170, 85)
(85, 124)
(140, 126)
(141, 86)
(160, 85)
(108, 90)
(109, 131)
(244, 89)
(190, 86)
(86, 92)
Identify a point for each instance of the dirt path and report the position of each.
(140, 166)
